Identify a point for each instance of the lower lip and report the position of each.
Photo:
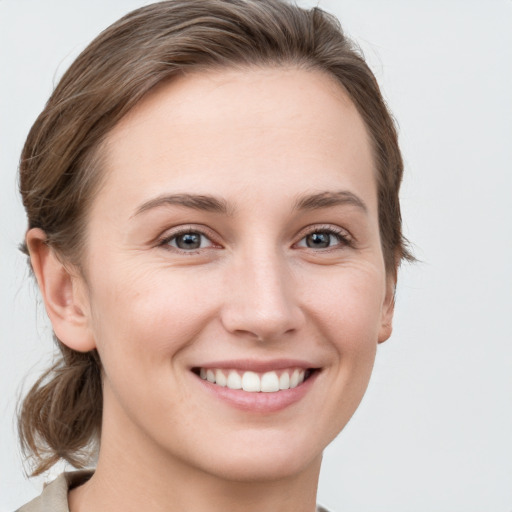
(259, 402)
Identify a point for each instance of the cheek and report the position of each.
(347, 313)
(348, 305)
(147, 316)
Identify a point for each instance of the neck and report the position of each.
(137, 487)
(134, 474)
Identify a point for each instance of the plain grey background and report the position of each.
(434, 432)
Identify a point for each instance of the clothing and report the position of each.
(54, 497)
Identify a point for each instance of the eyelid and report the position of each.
(163, 240)
(346, 239)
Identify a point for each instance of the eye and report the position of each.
(325, 238)
(187, 240)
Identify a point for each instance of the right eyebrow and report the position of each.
(329, 199)
(200, 202)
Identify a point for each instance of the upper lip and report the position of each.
(258, 365)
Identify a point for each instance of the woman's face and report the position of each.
(236, 237)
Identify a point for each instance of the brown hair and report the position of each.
(60, 168)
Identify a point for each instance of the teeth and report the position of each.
(294, 379)
(284, 381)
(220, 378)
(269, 382)
(234, 380)
(251, 382)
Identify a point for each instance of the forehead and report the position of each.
(211, 129)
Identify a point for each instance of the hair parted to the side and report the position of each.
(60, 168)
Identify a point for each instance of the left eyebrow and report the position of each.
(329, 199)
(193, 201)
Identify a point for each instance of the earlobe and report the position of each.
(62, 292)
(388, 309)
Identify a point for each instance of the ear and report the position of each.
(63, 292)
(388, 308)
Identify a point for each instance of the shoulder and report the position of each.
(54, 497)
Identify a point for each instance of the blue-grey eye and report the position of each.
(319, 240)
(323, 239)
(188, 241)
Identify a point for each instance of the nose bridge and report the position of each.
(262, 295)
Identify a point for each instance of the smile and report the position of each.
(254, 382)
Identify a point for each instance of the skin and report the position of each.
(255, 289)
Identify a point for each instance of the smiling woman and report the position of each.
(214, 225)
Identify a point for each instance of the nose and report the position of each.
(261, 299)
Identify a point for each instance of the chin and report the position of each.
(262, 460)
(263, 469)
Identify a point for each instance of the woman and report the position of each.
(214, 225)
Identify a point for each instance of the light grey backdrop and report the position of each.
(434, 432)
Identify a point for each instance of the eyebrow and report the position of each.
(214, 204)
(329, 199)
(201, 202)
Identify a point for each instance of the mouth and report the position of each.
(273, 381)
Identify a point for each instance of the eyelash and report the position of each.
(344, 239)
(165, 242)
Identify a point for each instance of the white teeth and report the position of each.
(251, 382)
(284, 381)
(234, 380)
(294, 379)
(220, 378)
(270, 382)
